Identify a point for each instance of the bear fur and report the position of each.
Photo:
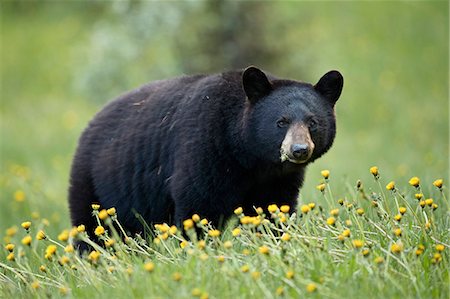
(203, 144)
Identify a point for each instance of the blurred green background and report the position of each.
(61, 62)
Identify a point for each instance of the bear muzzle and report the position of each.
(297, 146)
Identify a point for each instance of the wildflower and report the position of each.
(272, 208)
(437, 257)
(402, 210)
(204, 221)
(398, 217)
(334, 212)
(390, 186)
(256, 275)
(196, 292)
(331, 221)
(427, 225)
(63, 260)
(285, 237)
(346, 233)
(81, 228)
(246, 220)
(434, 206)
(51, 249)
(149, 266)
(285, 208)
(357, 243)
(374, 171)
(263, 249)
(379, 260)
(214, 233)
(325, 173)
(245, 268)
(256, 221)
(349, 206)
(374, 203)
(73, 232)
(236, 232)
(204, 296)
(19, 196)
(398, 232)
(365, 252)
(176, 276)
(111, 211)
(94, 256)
(95, 207)
(26, 225)
(414, 181)
(10, 257)
(188, 224)
(164, 236)
(238, 211)
(290, 274)
(42, 268)
(246, 252)
(99, 230)
(63, 291)
(419, 251)
(341, 238)
(64, 235)
(103, 214)
(440, 247)
(422, 203)
(228, 244)
(321, 187)
(221, 258)
(201, 244)
(279, 291)
(397, 247)
(429, 202)
(438, 183)
(340, 201)
(10, 232)
(9, 247)
(348, 222)
(305, 209)
(35, 285)
(26, 240)
(259, 211)
(173, 230)
(311, 205)
(360, 211)
(311, 287)
(110, 243)
(195, 218)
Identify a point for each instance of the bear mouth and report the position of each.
(284, 157)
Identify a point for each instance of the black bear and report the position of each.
(203, 144)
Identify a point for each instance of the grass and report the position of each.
(389, 242)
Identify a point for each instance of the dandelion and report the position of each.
(311, 205)
(305, 209)
(26, 240)
(321, 187)
(188, 224)
(325, 173)
(245, 268)
(256, 221)
(201, 244)
(196, 292)
(434, 206)
(427, 225)
(422, 203)
(238, 211)
(221, 259)
(111, 211)
(341, 238)
(63, 291)
(440, 247)
(149, 266)
(109, 243)
(340, 201)
(35, 285)
(418, 196)
(390, 186)
(398, 217)
(228, 244)
(51, 249)
(73, 232)
(374, 171)
(414, 181)
(365, 252)
(259, 211)
(398, 232)
(418, 251)
(438, 183)
(204, 221)
(273, 208)
(63, 260)
(19, 196)
(81, 228)
(164, 236)
(103, 214)
(285, 208)
(331, 221)
(10, 232)
(346, 233)
(246, 252)
(437, 257)
(236, 232)
(177, 276)
(263, 249)
(402, 210)
(397, 247)
(69, 248)
(214, 233)
(357, 243)
(334, 212)
(285, 237)
(10, 257)
(256, 275)
(195, 218)
(99, 230)
(94, 256)
(64, 235)
(246, 220)
(360, 211)
(311, 287)
(204, 296)
(349, 206)
(279, 291)
(379, 260)
(42, 268)
(95, 207)
(374, 203)
(348, 222)
(429, 202)
(9, 247)
(290, 274)
(26, 225)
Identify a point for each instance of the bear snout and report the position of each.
(297, 146)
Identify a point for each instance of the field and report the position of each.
(60, 63)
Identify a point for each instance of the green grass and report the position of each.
(60, 62)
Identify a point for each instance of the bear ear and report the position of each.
(255, 83)
(330, 86)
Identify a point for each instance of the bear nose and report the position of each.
(300, 151)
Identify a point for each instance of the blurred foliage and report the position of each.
(60, 62)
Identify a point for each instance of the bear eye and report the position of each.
(283, 122)
(312, 123)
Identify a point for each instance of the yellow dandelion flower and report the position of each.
(183, 244)
(110, 243)
(397, 247)
(340, 201)
(173, 230)
(440, 247)
(236, 232)
(9, 247)
(149, 267)
(51, 249)
(390, 185)
(81, 228)
(256, 221)
(94, 256)
(331, 221)
(285, 208)
(10, 257)
(365, 252)
(279, 291)
(204, 221)
(214, 233)
(398, 232)
(360, 211)
(201, 244)
(188, 224)
(95, 207)
(259, 211)
(374, 171)
(69, 248)
(290, 274)
(19, 196)
(414, 181)
(35, 285)
(325, 173)
(418, 196)
(228, 244)
(374, 203)
(111, 211)
(195, 218)
(305, 209)
(321, 187)
(63, 291)
(246, 252)
(164, 236)
(334, 212)
(379, 260)
(427, 225)
(437, 257)
(221, 258)
(203, 257)
(42, 268)
(418, 251)
(422, 203)
(398, 217)
(196, 292)
(429, 202)
(348, 222)
(311, 205)
(11, 231)
(402, 210)
(73, 232)
(346, 233)
(246, 220)
(434, 206)
(63, 260)
(103, 214)
(341, 238)
(438, 183)
(99, 230)
(285, 237)
(311, 287)
(256, 275)
(64, 235)
(238, 211)
(264, 249)
(204, 296)
(177, 276)
(273, 208)
(245, 268)
(357, 243)
(26, 225)
(26, 240)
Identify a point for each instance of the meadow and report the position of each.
(354, 234)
